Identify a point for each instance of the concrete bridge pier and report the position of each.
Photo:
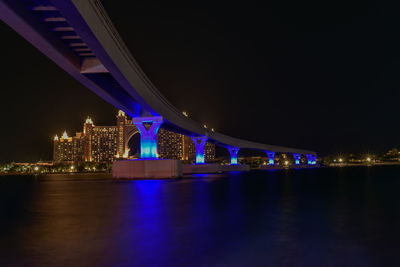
(271, 157)
(200, 165)
(199, 144)
(148, 166)
(270, 162)
(148, 128)
(234, 164)
(297, 158)
(311, 159)
(234, 151)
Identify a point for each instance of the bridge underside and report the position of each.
(79, 37)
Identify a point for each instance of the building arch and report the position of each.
(129, 132)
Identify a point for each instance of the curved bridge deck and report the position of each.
(79, 37)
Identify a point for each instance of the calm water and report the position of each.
(320, 217)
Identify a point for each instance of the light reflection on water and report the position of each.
(320, 217)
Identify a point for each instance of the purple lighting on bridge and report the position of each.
(199, 144)
(233, 151)
(148, 128)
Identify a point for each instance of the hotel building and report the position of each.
(103, 144)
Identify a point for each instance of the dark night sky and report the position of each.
(320, 75)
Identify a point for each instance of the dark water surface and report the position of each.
(320, 217)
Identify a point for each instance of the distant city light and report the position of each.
(368, 159)
(340, 160)
(65, 135)
(126, 154)
(36, 168)
(212, 129)
(286, 162)
(185, 114)
(89, 120)
(121, 113)
(205, 126)
(72, 168)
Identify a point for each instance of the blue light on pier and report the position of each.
(311, 159)
(148, 128)
(199, 158)
(271, 157)
(234, 151)
(199, 144)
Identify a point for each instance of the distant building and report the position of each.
(100, 142)
(392, 154)
(68, 149)
(106, 143)
(171, 145)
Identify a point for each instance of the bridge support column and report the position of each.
(199, 144)
(271, 157)
(297, 158)
(148, 128)
(311, 159)
(234, 151)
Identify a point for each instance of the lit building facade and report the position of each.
(68, 149)
(107, 143)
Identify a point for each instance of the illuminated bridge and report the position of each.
(79, 37)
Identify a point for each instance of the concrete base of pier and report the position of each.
(147, 169)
